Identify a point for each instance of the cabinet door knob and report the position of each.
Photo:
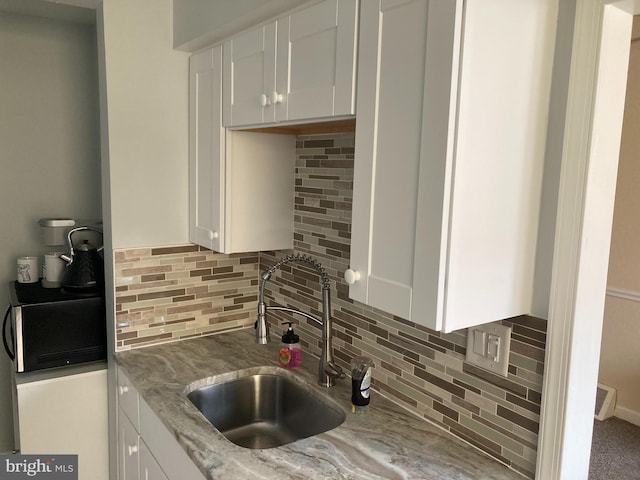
(123, 389)
(213, 235)
(351, 276)
(131, 449)
(264, 100)
(276, 97)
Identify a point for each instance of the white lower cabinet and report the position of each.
(65, 414)
(452, 105)
(149, 468)
(146, 449)
(128, 449)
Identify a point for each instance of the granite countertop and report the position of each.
(385, 442)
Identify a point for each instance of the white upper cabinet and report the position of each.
(250, 77)
(206, 156)
(240, 183)
(300, 67)
(316, 60)
(450, 140)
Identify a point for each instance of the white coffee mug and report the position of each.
(28, 270)
(53, 269)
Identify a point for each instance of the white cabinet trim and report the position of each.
(594, 112)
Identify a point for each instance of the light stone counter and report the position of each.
(386, 442)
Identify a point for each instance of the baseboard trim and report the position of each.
(627, 415)
(608, 405)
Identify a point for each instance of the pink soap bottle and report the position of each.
(290, 354)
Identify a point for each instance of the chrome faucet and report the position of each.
(328, 371)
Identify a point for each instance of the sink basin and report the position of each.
(265, 410)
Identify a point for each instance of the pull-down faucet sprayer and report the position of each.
(328, 371)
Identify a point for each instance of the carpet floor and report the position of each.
(615, 450)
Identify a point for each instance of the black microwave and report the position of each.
(53, 328)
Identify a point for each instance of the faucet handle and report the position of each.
(334, 370)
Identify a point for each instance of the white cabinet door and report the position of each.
(315, 74)
(388, 149)
(207, 150)
(249, 77)
(300, 67)
(146, 449)
(172, 460)
(128, 449)
(449, 154)
(149, 468)
(67, 415)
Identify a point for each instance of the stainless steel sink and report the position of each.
(265, 410)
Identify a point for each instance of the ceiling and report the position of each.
(76, 11)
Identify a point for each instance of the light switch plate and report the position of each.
(488, 347)
(479, 343)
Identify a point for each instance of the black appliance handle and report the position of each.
(4, 335)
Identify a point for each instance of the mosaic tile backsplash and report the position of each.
(175, 293)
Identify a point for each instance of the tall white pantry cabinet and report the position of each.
(450, 138)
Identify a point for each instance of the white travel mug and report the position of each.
(28, 270)
(53, 270)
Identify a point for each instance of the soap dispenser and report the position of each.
(290, 354)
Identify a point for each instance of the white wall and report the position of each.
(49, 144)
(620, 354)
(146, 96)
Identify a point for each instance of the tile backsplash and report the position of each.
(166, 294)
(172, 293)
(421, 369)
